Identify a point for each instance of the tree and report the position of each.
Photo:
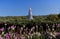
(59, 15)
(52, 17)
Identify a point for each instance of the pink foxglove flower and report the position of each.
(13, 27)
(15, 38)
(57, 33)
(58, 25)
(1, 37)
(23, 37)
(2, 29)
(9, 28)
(7, 36)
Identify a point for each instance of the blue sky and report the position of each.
(21, 7)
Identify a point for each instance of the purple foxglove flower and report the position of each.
(1, 37)
(7, 36)
(2, 29)
(15, 37)
(8, 28)
(58, 25)
(57, 33)
(13, 27)
(23, 37)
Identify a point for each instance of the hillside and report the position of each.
(52, 18)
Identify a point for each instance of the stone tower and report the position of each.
(30, 17)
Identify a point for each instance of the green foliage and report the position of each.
(52, 18)
(59, 15)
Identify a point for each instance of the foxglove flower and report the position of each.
(13, 27)
(2, 33)
(21, 28)
(23, 37)
(9, 28)
(1, 37)
(7, 36)
(2, 29)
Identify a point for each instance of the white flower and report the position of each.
(21, 28)
(31, 37)
(2, 33)
(24, 26)
(39, 34)
(29, 33)
(33, 27)
(51, 33)
(36, 26)
(53, 29)
(28, 36)
(13, 28)
(36, 33)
